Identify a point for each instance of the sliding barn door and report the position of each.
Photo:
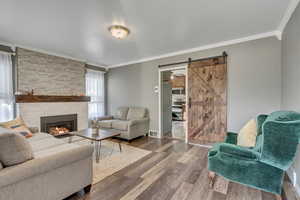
(207, 106)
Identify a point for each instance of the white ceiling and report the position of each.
(78, 28)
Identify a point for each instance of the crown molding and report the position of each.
(205, 47)
(288, 14)
(14, 46)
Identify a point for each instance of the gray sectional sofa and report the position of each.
(131, 122)
(57, 170)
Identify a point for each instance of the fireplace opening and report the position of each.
(59, 125)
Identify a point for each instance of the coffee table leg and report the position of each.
(120, 147)
(98, 148)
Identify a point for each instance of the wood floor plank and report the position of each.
(175, 171)
(146, 165)
(183, 191)
(141, 187)
(221, 185)
(201, 187)
(122, 186)
(163, 188)
(166, 146)
(161, 166)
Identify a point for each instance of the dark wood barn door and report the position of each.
(207, 92)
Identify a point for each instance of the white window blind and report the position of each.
(95, 89)
(6, 88)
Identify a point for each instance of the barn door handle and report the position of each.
(190, 102)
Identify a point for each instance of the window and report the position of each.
(95, 89)
(6, 88)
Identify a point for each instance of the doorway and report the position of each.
(173, 96)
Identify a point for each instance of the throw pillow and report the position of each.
(247, 135)
(121, 113)
(1, 167)
(17, 125)
(14, 149)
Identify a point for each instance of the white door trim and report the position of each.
(160, 95)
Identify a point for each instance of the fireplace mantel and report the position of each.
(47, 98)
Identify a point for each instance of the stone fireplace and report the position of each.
(59, 125)
(49, 75)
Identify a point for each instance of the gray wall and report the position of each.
(254, 85)
(291, 77)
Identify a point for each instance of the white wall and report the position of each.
(291, 79)
(254, 81)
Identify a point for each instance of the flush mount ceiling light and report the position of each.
(119, 31)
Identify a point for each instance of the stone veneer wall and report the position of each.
(49, 75)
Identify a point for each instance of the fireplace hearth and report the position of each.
(59, 125)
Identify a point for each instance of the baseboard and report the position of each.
(291, 172)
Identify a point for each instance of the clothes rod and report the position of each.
(190, 60)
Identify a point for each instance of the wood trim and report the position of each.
(46, 98)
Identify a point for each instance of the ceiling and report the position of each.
(78, 28)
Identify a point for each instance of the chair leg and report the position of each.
(278, 197)
(211, 177)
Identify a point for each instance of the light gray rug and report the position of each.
(111, 159)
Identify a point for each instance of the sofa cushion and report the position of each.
(105, 123)
(247, 135)
(120, 125)
(14, 149)
(136, 113)
(121, 113)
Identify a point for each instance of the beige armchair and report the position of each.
(130, 122)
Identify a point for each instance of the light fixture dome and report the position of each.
(119, 31)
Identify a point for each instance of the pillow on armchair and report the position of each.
(247, 135)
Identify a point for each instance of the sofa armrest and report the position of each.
(138, 121)
(238, 151)
(38, 166)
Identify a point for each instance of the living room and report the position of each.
(84, 104)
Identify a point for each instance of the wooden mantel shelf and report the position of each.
(45, 98)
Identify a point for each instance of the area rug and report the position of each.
(111, 160)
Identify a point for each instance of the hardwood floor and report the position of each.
(173, 171)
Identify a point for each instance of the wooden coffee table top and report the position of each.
(92, 134)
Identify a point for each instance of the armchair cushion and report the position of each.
(120, 125)
(138, 121)
(236, 151)
(247, 135)
(121, 113)
(136, 113)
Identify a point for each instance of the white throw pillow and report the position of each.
(247, 135)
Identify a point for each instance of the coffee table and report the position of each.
(95, 136)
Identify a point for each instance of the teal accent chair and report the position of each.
(263, 166)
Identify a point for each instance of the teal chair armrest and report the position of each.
(238, 151)
(231, 138)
